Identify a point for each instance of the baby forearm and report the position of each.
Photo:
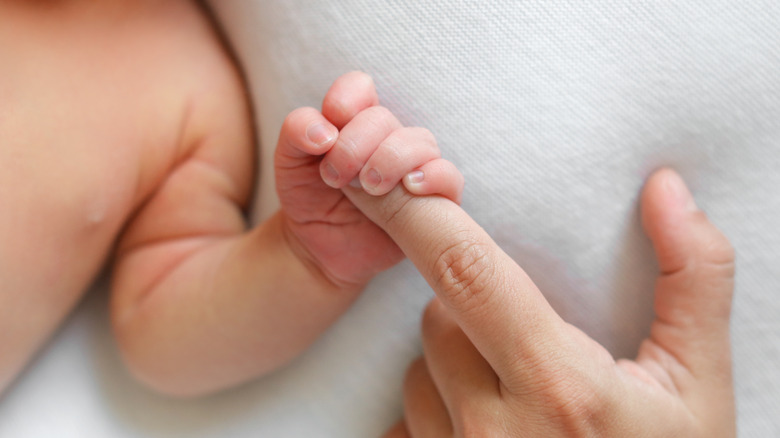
(231, 309)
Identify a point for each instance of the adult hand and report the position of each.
(498, 361)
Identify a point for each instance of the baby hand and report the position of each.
(353, 141)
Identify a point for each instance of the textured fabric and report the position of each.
(555, 112)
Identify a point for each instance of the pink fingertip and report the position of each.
(319, 134)
(330, 175)
(415, 177)
(372, 178)
(413, 181)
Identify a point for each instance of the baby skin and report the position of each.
(125, 138)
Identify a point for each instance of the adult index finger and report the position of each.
(493, 300)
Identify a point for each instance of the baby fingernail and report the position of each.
(330, 175)
(355, 183)
(319, 134)
(415, 177)
(372, 178)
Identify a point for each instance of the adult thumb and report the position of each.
(693, 292)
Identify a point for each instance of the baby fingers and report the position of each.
(375, 152)
(356, 143)
(436, 177)
(403, 151)
(305, 133)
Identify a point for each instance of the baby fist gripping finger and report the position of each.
(324, 228)
(410, 153)
(313, 160)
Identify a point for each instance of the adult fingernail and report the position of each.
(330, 175)
(372, 178)
(679, 190)
(319, 134)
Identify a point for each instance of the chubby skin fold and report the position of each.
(237, 305)
(254, 300)
(130, 125)
(95, 114)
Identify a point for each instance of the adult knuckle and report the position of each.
(396, 209)
(473, 418)
(465, 274)
(470, 426)
(573, 403)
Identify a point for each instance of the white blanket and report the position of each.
(555, 111)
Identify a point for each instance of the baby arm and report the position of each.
(199, 304)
